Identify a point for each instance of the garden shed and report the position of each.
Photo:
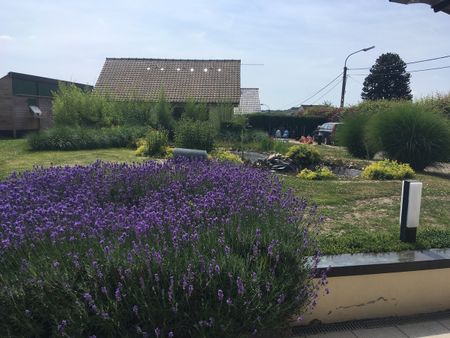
(26, 102)
(207, 81)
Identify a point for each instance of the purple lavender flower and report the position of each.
(220, 294)
(118, 294)
(87, 297)
(240, 286)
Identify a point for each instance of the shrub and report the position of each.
(197, 111)
(281, 147)
(266, 144)
(189, 249)
(387, 170)
(156, 142)
(351, 134)
(163, 113)
(321, 173)
(226, 156)
(410, 134)
(303, 155)
(66, 138)
(75, 107)
(439, 103)
(194, 134)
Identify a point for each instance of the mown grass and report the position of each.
(15, 156)
(363, 216)
(358, 215)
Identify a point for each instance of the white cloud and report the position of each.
(6, 38)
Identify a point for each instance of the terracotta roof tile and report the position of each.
(210, 81)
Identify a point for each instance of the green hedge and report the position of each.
(301, 125)
(194, 134)
(65, 138)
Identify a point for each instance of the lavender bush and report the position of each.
(181, 249)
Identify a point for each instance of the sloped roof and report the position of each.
(29, 77)
(249, 102)
(210, 81)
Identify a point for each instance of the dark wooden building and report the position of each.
(26, 102)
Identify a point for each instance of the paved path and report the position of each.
(431, 328)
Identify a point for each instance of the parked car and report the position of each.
(326, 133)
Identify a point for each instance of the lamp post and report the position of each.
(344, 79)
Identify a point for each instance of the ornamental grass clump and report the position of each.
(174, 249)
(409, 133)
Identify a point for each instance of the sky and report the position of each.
(298, 46)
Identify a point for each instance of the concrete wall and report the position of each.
(382, 295)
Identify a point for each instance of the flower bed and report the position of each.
(180, 249)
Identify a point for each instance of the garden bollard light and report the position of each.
(410, 210)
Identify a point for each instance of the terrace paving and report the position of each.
(426, 328)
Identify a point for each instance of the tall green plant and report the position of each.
(410, 134)
(163, 113)
(194, 134)
(194, 110)
(351, 135)
(73, 107)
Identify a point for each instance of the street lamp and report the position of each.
(344, 78)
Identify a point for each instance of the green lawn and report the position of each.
(15, 156)
(363, 216)
(358, 215)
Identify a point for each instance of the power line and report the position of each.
(410, 63)
(354, 80)
(321, 89)
(425, 60)
(410, 71)
(337, 83)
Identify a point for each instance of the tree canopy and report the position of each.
(388, 80)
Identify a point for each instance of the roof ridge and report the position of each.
(160, 59)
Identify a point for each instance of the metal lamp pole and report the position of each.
(344, 78)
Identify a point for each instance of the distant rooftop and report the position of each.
(249, 102)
